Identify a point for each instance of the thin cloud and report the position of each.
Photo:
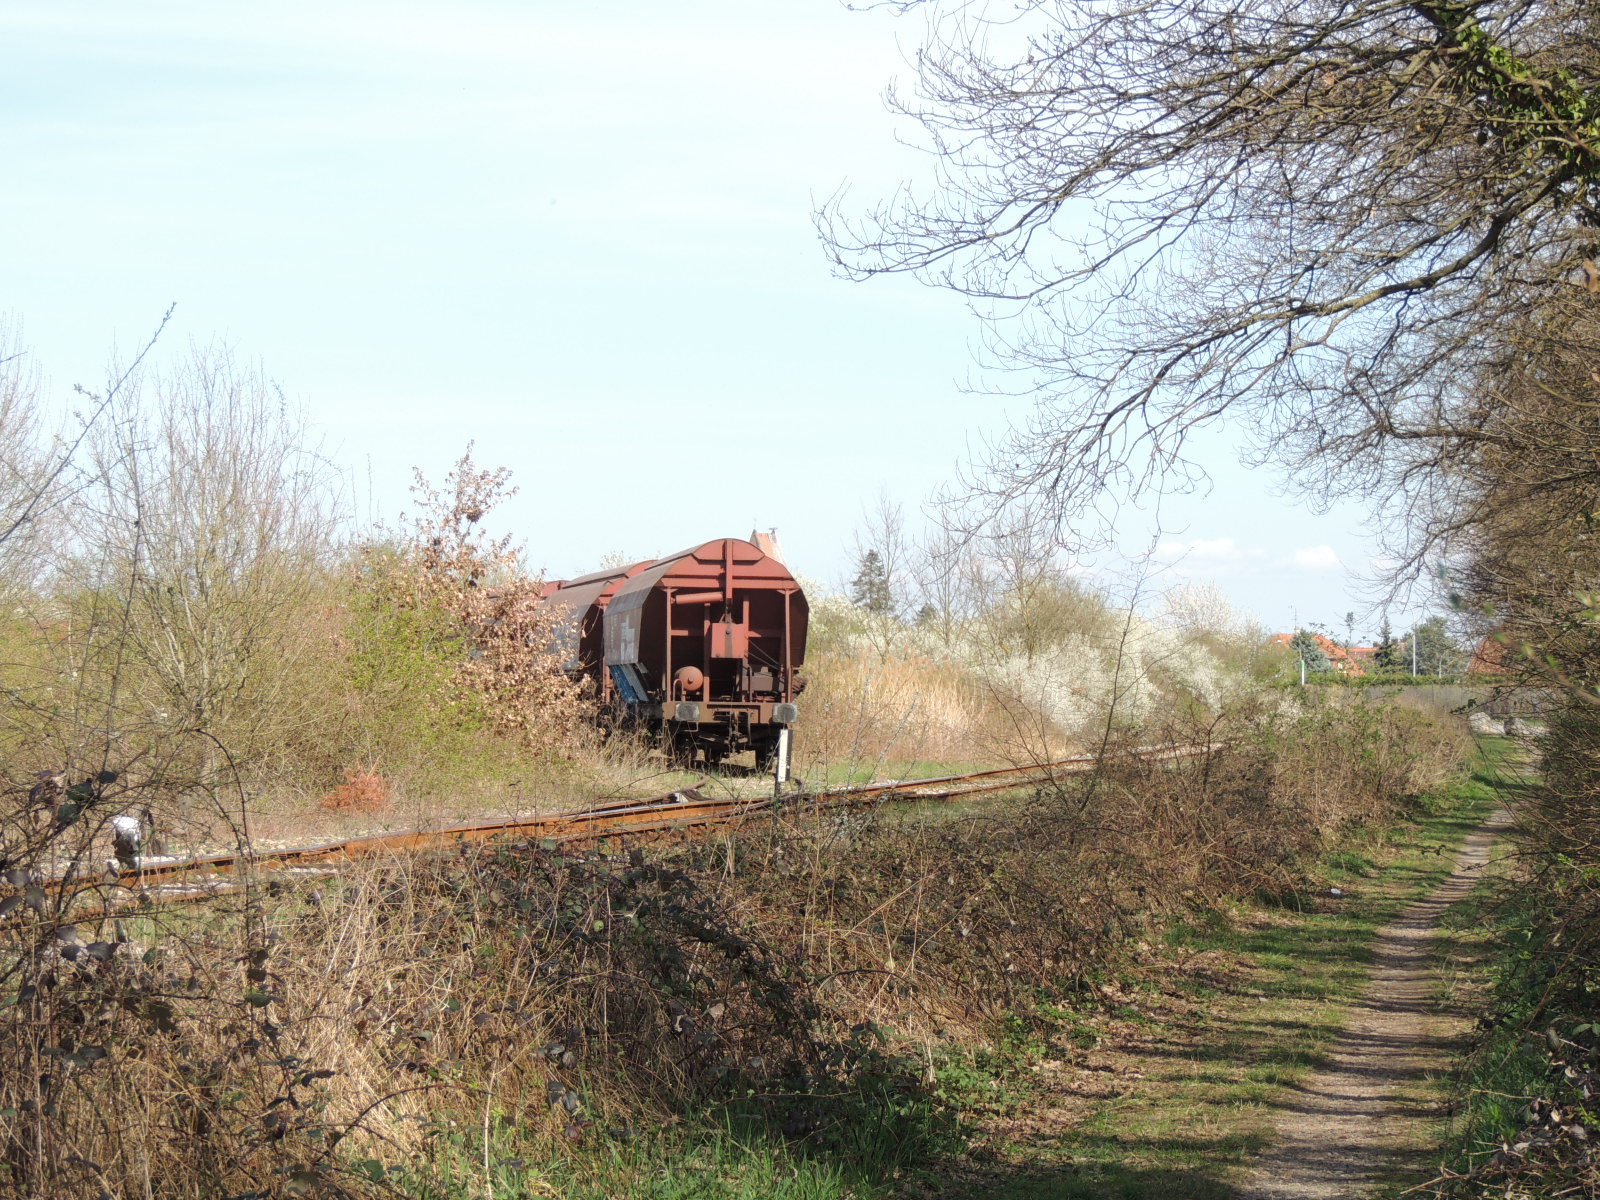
(1317, 558)
(1210, 551)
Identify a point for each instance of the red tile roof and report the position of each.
(1351, 660)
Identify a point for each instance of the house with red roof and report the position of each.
(1347, 660)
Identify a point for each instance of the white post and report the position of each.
(780, 762)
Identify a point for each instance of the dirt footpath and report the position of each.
(1349, 1121)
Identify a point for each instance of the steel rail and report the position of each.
(576, 823)
(1009, 777)
(671, 812)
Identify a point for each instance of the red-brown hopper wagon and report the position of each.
(702, 648)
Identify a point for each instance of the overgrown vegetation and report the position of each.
(1526, 1093)
(803, 993)
(820, 1000)
(1523, 514)
(1173, 1082)
(990, 648)
(1407, 316)
(189, 609)
(1527, 1090)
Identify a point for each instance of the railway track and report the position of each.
(673, 812)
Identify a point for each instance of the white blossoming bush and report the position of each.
(1012, 684)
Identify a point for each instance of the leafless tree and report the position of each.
(209, 527)
(943, 571)
(1312, 215)
(883, 531)
(24, 465)
(42, 471)
(1030, 596)
(1524, 493)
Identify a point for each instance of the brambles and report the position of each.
(1520, 516)
(802, 977)
(801, 974)
(361, 791)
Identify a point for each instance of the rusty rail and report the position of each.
(1001, 778)
(679, 811)
(565, 826)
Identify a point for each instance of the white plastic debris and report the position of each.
(127, 838)
(1483, 723)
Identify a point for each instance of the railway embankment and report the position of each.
(820, 1003)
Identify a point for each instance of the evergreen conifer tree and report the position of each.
(1304, 644)
(1392, 655)
(870, 588)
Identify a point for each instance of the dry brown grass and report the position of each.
(862, 707)
(278, 1043)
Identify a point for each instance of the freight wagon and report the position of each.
(701, 649)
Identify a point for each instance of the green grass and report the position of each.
(844, 773)
(1462, 958)
(713, 1165)
(728, 1156)
(1538, 983)
(1259, 994)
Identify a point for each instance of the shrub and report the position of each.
(805, 966)
(361, 791)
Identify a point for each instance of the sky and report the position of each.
(576, 236)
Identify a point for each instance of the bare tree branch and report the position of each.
(1310, 216)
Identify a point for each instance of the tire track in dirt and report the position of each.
(1348, 1122)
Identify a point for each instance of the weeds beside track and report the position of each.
(826, 987)
(677, 812)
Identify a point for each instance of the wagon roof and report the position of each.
(701, 567)
(595, 587)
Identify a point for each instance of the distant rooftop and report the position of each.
(1349, 660)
